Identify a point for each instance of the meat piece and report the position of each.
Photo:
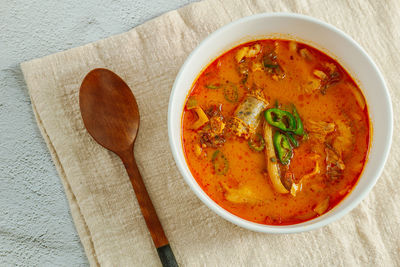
(207, 140)
(319, 129)
(334, 164)
(212, 134)
(334, 151)
(345, 138)
(217, 125)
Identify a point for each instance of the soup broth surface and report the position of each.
(232, 150)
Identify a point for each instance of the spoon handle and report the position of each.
(149, 213)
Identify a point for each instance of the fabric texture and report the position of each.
(148, 57)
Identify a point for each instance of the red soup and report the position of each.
(276, 132)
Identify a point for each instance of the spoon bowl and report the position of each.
(109, 110)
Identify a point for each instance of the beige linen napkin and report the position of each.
(148, 57)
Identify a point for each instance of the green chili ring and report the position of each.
(271, 66)
(217, 164)
(299, 124)
(276, 117)
(292, 139)
(253, 145)
(282, 147)
(213, 86)
(231, 93)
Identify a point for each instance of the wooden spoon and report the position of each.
(111, 116)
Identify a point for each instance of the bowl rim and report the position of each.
(292, 228)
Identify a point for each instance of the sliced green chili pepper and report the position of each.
(281, 119)
(299, 124)
(293, 140)
(220, 162)
(231, 92)
(282, 147)
(271, 66)
(213, 86)
(257, 147)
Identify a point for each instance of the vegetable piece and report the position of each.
(254, 50)
(270, 60)
(281, 119)
(295, 188)
(299, 124)
(320, 74)
(305, 137)
(241, 53)
(220, 162)
(247, 51)
(197, 150)
(242, 194)
(231, 93)
(272, 165)
(283, 147)
(322, 206)
(330, 67)
(256, 67)
(315, 171)
(312, 85)
(292, 46)
(257, 147)
(271, 66)
(213, 86)
(191, 103)
(306, 54)
(203, 119)
(292, 139)
(332, 79)
(298, 187)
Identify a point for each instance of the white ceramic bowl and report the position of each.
(322, 36)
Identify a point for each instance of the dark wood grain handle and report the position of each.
(148, 211)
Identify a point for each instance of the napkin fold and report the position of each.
(148, 57)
